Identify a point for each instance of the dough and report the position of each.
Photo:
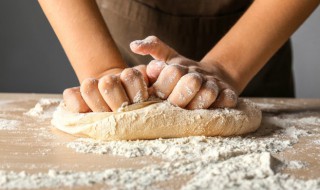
(152, 120)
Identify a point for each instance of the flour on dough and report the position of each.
(159, 120)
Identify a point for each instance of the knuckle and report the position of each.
(156, 63)
(130, 73)
(127, 76)
(230, 94)
(229, 98)
(211, 86)
(108, 82)
(211, 94)
(194, 77)
(152, 64)
(140, 67)
(88, 84)
(73, 100)
(69, 92)
(152, 39)
(176, 70)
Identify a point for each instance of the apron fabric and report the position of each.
(192, 28)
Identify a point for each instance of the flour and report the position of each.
(316, 142)
(295, 164)
(293, 120)
(215, 162)
(44, 108)
(191, 148)
(6, 124)
(265, 106)
(295, 133)
(5, 102)
(244, 162)
(291, 123)
(253, 171)
(249, 171)
(125, 178)
(138, 97)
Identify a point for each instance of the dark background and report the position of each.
(32, 60)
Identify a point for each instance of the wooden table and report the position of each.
(38, 147)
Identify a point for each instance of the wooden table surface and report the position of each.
(38, 147)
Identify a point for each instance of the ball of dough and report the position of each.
(152, 120)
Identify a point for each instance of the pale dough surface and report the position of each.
(154, 120)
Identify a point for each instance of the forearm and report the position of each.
(259, 33)
(84, 36)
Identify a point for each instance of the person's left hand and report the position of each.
(183, 82)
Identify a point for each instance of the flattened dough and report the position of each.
(152, 120)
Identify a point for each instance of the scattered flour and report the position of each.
(295, 164)
(6, 124)
(44, 108)
(138, 97)
(317, 142)
(211, 162)
(191, 148)
(5, 102)
(295, 133)
(251, 171)
(265, 106)
(285, 121)
(310, 120)
(215, 162)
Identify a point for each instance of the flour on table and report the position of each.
(244, 162)
(295, 164)
(191, 148)
(265, 106)
(216, 162)
(317, 142)
(295, 133)
(293, 120)
(251, 171)
(44, 108)
(5, 102)
(7, 124)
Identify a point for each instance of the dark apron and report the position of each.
(192, 27)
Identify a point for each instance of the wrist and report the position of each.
(227, 74)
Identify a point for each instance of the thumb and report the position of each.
(155, 47)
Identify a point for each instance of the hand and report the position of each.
(184, 82)
(107, 93)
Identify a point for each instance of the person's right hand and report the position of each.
(108, 92)
(184, 82)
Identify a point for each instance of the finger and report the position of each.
(205, 96)
(134, 85)
(74, 101)
(153, 46)
(154, 69)
(167, 80)
(185, 90)
(227, 98)
(143, 70)
(112, 91)
(91, 95)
